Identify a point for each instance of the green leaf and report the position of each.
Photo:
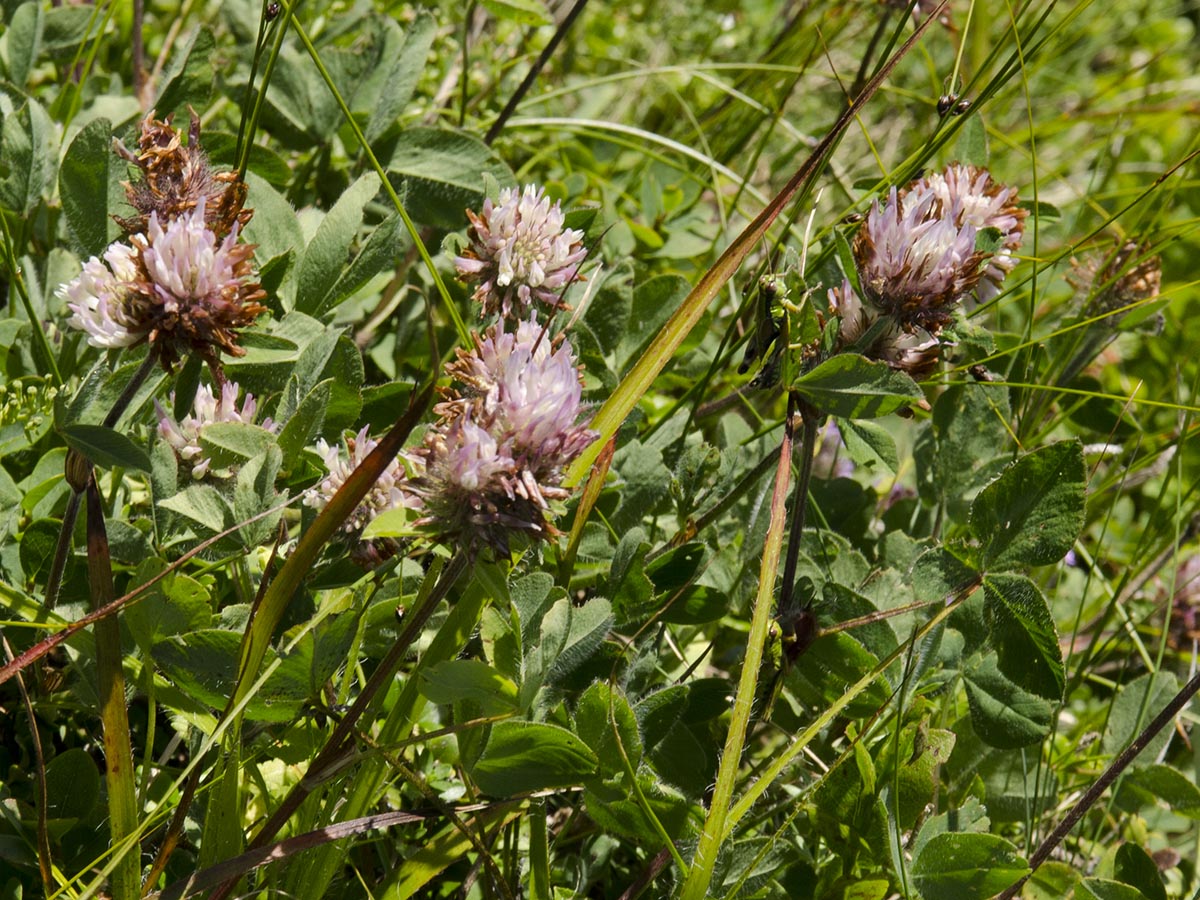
(305, 423)
(972, 145)
(188, 78)
(29, 148)
(204, 664)
(523, 12)
(469, 679)
(1023, 634)
(72, 785)
(106, 447)
(83, 185)
(274, 230)
(1138, 703)
(589, 627)
(957, 452)
(24, 41)
(382, 248)
(606, 723)
(1104, 889)
(696, 605)
(392, 523)
(870, 445)
(66, 28)
(326, 254)
(38, 544)
(177, 604)
(530, 756)
(1005, 715)
(658, 713)
(852, 386)
(1033, 513)
(203, 504)
(1134, 866)
(831, 662)
(615, 810)
(442, 173)
(402, 78)
(1157, 781)
(232, 443)
(960, 866)
(652, 304)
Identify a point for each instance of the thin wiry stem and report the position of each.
(333, 755)
(45, 859)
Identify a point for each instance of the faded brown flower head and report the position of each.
(1126, 276)
(175, 177)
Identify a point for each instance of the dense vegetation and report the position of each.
(517, 449)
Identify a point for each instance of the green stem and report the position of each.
(118, 756)
(699, 876)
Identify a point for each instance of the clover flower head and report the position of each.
(195, 290)
(527, 386)
(389, 491)
(913, 262)
(510, 427)
(1125, 276)
(520, 252)
(177, 286)
(96, 298)
(207, 408)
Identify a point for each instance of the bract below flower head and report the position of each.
(910, 348)
(390, 490)
(207, 408)
(520, 252)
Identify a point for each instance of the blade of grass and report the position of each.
(699, 875)
(614, 411)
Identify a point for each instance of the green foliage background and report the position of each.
(1027, 527)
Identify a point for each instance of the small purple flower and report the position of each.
(389, 491)
(913, 263)
(969, 196)
(519, 251)
(207, 408)
(96, 298)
